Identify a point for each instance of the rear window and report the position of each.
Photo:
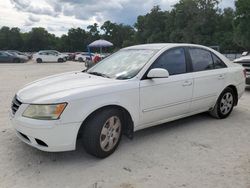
(201, 59)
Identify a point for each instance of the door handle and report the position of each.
(187, 83)
(221, 77)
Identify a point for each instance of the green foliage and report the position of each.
(189, 21)
(242, 23)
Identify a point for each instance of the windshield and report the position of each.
(124, 64)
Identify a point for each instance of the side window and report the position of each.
(201, 59)
(218, 64)
(172, 60)
(3, 54)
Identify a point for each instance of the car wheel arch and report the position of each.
(233, 87)
(128, 129)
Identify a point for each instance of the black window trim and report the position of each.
(187, 61)
(191, 63)
(213, 54)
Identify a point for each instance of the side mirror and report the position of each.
(158, 73)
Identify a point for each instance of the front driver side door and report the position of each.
(164, 98)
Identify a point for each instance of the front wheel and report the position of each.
(39, 60)
(60, 60)
(224, 105)
(102, 133)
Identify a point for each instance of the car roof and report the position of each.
(48, 51)
(159, 46)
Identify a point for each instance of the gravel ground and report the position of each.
(198, 151)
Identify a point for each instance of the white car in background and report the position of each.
(83, 56)
(135, 88)
(49, 56)
(245, 62)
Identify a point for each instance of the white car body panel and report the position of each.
(145, 100)
(48, 57)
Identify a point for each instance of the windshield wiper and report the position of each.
(99, 74)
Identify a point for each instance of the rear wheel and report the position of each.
(80, 59)
(39, 60)
(224, 105)
(102, 133)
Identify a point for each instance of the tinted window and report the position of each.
(173, 60)
(218, 64)
(52, 53)
(3, 54)
(201, 59)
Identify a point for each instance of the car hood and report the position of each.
(58, 87)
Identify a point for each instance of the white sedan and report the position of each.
(137, 87)
(49, 56)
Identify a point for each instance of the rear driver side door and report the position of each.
(209, 74)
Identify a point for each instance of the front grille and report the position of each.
(15, 104)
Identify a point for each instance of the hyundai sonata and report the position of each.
(137, 87)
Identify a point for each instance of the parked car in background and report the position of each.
(83, 56)
(245, 62)
(70, 56)
(6, 57)
(49, 56)
(64, 55)
(21, 55)
(135, 88)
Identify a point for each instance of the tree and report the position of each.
(4, 38)
(224, 33)
(77, 39)
(94, 31)
(241, 24)
(189, 21)
(39, 38)
(151, 27)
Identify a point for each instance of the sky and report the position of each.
(57, 16)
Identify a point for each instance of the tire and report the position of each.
(102, 133)
(16, 60)
(224, 105)
(39, 60)
(80, 59)
(60, 60)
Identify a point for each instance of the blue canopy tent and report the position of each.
(99, 44)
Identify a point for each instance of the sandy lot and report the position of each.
(196, 152)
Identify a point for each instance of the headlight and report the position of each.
(44, 112)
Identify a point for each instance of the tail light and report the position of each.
(245, 73)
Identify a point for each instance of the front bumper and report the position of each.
(52, 136)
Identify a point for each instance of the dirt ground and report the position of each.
(196, 152)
